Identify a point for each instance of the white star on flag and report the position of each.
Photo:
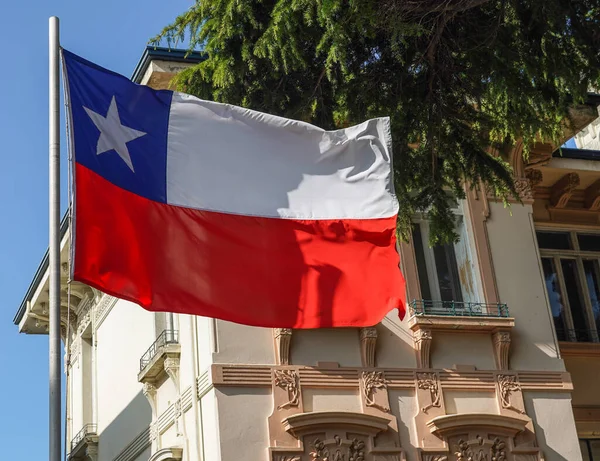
(113, 135)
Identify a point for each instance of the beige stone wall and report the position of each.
(520, 285)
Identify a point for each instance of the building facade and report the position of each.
(498, 357)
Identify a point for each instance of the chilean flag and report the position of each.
(196, 207)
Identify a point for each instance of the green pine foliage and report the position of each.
(455, 76)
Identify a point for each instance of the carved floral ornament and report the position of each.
(339, 451)
(429, 381)
(371, 381)
(288, 381)
(508, 384)
(479, 451)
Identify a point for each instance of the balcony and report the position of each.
(460, 309)
(161, 354)
(84, 445)
(428, 317)
(582, 343)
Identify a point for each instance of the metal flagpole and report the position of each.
(54, 428)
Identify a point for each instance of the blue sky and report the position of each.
(112, 33)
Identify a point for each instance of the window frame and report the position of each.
(578, 255)
(432, 276)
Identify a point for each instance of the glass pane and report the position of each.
(421, 266)
(554, 240)
(447, 272)
(569, 268)
(585, 451)
(590, 267)
(555, 298)
(464, 263)
(589, 242)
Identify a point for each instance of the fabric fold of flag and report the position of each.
(196, 207)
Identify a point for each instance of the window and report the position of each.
(590, 449)
(571, 265)
(446, 272)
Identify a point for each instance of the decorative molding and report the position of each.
(371, 381)
(574, 349)
(563, 189)
(177, 414)
(153, 431)
(433, 457)
(149, 391)
(168, 454)
(534, 176)
(306, 422)
(171, 366)
(422, 340)
(203, 384)
(524, 190)
(429, 381)
(592, 196)
(368, 343)
(84, 317)
(103, 308)
(501, 341)
(446, 425)
(283, 339)
(398, 378)
(338, 436)
(477, 449)
(507, 384)
(288, 381)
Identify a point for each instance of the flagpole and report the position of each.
(54, 427)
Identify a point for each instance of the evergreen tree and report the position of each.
(455, 76)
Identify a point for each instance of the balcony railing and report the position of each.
(422, 307)
(166, 337)
(88, 429)
(577, 336)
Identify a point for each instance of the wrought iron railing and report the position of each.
(577, 336)
(88, 429)
(422, 307)
(166, 337)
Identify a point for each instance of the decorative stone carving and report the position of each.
(153, 431)
(481, 450)
(84, 318)
(422, 338)
(434, 457)
(507, 384)
(287, 458)
(105, 303)
(563, 189)
(534, 176)
(339, 451)
(171, 366)
(524, 190)
(592, 196)
(371, 381)
(429, 381)
(177, 414)
(368, 343)
(149, 392)
(501, 349)
(283, 339)
(288, 380)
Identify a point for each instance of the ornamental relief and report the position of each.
(338, 446)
